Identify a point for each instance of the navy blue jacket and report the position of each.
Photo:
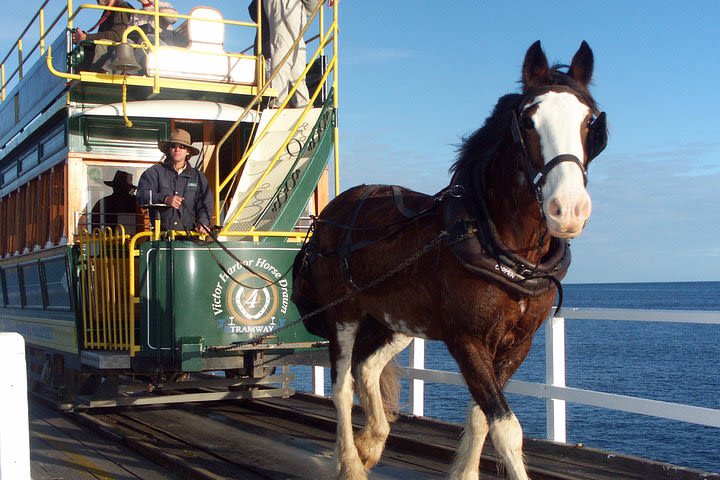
(161, 180)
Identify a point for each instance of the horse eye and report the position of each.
(528, 123)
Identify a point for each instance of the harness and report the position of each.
(477, 246)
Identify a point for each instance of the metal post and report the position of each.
(318, 380)
(14, 426)
(417, 387)
(555, 376)
(20, 59)
(42, 31)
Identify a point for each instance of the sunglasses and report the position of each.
(177, 145)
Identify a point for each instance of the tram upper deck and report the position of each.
(67, 129)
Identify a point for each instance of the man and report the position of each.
(176, 191)
(111, 26)
(120, 207)
(285, 20)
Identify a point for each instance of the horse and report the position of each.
(477, 265)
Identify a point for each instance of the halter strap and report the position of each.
(541, 176)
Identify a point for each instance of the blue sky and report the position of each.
(418, 75)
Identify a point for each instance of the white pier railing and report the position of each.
(554, 389)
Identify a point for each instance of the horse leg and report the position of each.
(467, 459)
(476, 366)
(374, 349)
(347, 461)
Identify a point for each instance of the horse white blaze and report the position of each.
(558, 120)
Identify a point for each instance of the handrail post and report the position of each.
(318, 380)
(20, 59)
(555, 376)
(417, 387)
(42, 31)
(336, 84)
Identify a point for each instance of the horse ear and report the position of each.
(581, 68)
(535, 70)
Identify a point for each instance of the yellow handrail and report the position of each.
(290, 136)
(219, 186)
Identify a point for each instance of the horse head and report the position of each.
(560, 130)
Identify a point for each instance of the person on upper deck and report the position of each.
(147, 22)
(111, 26)
(285, 21)
(183, 189)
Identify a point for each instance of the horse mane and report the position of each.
(482, 145)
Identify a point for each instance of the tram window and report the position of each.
(9, 174)
(111, 198)
(3, 300)
(56, 283)
(54, 142)
(12, 287)
(112, 132)
(31, 285)
(29, 160)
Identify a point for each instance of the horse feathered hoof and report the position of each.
(370, 447)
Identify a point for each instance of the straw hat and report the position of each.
(121, 179)
(178, 136)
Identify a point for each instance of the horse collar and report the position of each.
(476, 244)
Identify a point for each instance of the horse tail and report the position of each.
(390, 390)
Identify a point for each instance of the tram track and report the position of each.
(293, 438)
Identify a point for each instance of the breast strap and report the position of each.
(475, 254)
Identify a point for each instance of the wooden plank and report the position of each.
(62, 449)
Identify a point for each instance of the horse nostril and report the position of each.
(554, 208)
(583, 207)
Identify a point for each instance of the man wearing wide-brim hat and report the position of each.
(174, 183)
(118, 208)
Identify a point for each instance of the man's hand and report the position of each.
(204, 229)
(174, 201)
(78, 35)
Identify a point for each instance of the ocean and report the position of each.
(671, 362)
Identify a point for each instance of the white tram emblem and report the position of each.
(248, 300)
(251, 301)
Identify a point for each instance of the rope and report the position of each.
(128, 122)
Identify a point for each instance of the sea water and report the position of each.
(673, 362)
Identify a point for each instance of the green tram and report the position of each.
(112, 309)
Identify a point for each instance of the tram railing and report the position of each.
(554, 390)
(105, 279)
(326, 37)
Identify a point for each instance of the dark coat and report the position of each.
(114, 25)
(161, 180)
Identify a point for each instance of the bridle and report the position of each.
(595, 143)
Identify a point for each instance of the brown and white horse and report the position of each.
(476, 266)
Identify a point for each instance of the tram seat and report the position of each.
(203, 58)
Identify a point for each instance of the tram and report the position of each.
(113, 309)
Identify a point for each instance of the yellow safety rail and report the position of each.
(325, 37)
(24, 55)
(105, 274)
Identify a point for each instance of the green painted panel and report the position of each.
(184, 293)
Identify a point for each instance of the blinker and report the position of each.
(597, 137)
